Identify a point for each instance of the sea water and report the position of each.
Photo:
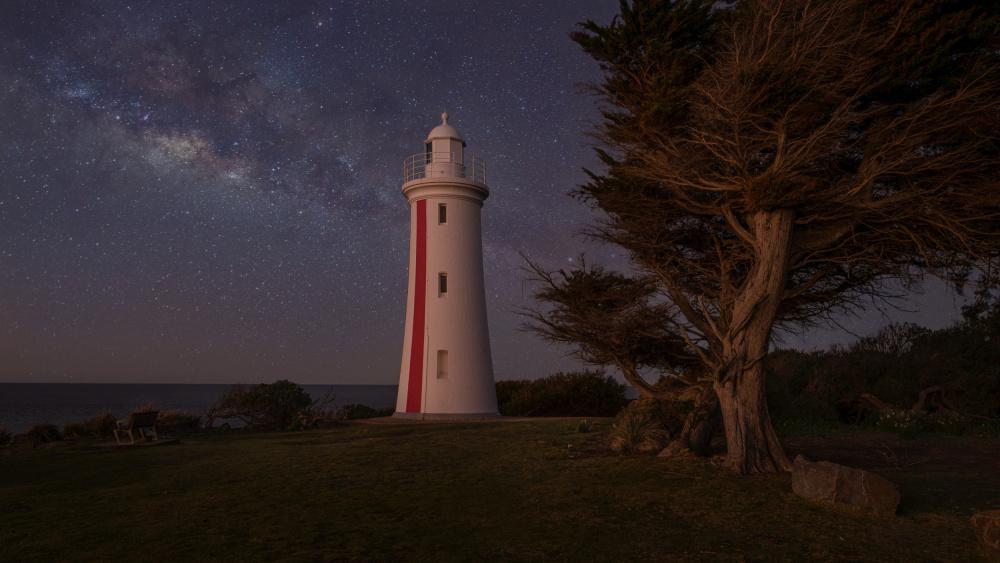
(25, 404)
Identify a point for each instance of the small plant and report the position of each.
(950, 422)
(583, 427)
(103, 424)
(638, 431)
(75, 430)
(42, 434)
(908, 424)
(4, 435)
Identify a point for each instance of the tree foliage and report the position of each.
(775, 162)
(612, 319)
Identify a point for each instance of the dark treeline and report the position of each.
(902, 368)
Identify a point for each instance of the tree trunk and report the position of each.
(751, 442)
(699, 427)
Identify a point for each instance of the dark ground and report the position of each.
(882, 452)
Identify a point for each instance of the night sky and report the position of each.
(210, 191)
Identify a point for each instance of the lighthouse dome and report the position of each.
(445, 131)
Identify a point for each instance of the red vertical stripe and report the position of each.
(415, 385)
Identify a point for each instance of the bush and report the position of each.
(588, 393)
(103, 424)
(4, 435)
(356, 412)
(264, 406)
(637, 430)
(319, 413)
(75, 430)
(42, 434)
(174, 421)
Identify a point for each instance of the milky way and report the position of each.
(210, 191)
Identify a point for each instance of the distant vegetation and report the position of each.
(945, 380)
(586, 393)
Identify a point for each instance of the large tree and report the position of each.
(774, 162)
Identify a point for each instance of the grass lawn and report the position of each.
(500, 491)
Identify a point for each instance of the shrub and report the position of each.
(42, 434)
(356, 412)
(264, 406)
(173, 421)
(4, 435)
(103, 424)
(75, 430)
(319, 413)
(638, 431)
(587, 393)
(670, 414)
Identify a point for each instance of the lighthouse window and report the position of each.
(442, 214)
(427, 149)
(442, 364)
(442, 284)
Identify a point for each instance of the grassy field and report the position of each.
(502, 491)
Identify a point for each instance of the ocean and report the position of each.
(25, 404)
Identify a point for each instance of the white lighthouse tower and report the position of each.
(447, 369)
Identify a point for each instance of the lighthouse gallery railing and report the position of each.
(443, 164)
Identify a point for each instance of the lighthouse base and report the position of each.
(445, 416)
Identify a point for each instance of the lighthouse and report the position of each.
(447, 368)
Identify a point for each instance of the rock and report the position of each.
(675, 448)
(987, 528)
(827, 481)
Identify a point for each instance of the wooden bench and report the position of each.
(140, 422)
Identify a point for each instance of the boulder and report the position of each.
(675, 448)
(987, 528)
(827, 481)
